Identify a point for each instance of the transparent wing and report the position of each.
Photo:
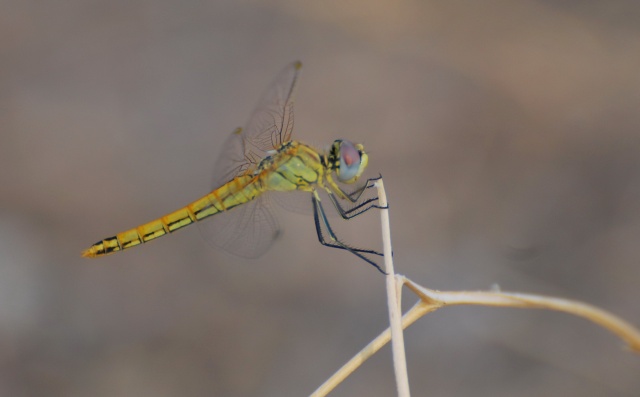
(251, 228)
(232, 161)
(247, 230)
(296, 201)
(271, 123)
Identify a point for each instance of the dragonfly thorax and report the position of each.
(267, 162)
(294, 166)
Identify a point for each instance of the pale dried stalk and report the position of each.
(417, 311)
(614, 324)
(393, 299)
(431, 300)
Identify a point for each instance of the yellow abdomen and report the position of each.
(238, 191)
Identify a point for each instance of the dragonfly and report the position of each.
(260, 164)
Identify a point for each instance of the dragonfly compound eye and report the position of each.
(353, 161)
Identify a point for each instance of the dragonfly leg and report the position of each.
(356, 194)
(317, 206)
(355, 211)
(354, 197)
(318, 213)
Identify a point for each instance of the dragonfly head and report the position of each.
(347, 160)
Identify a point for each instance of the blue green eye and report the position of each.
(349, 161)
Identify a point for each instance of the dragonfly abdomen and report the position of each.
(238, 191)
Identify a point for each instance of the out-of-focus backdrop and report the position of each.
(507, 133)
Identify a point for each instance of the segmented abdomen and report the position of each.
(238, 191)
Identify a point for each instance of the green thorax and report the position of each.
(294, 166)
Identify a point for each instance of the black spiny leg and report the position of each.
(318, 212)
(354, 197)
(355, 211)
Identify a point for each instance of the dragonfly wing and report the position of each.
(247, 230)
(271, 123)
(296, 201)
(232, 161)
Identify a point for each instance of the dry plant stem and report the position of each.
(393, 299)
(417, 311)
(431, 300)
(614, 324)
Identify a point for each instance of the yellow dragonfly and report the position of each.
(256, 164)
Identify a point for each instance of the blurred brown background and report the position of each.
(507, 133)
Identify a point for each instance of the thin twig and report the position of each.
(614, 324)
(393, 299)
(417, 311)
(431, 300)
